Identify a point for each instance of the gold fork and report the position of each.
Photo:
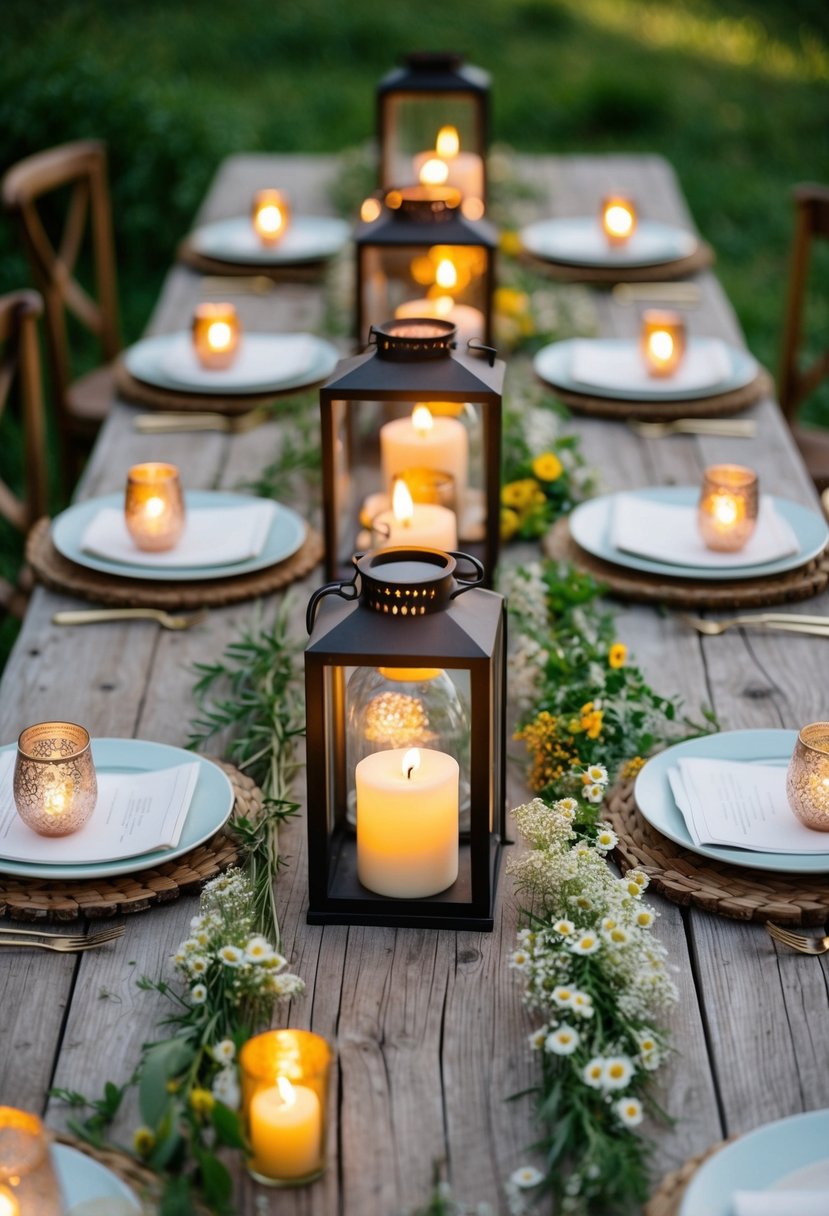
(95, 616)
(798, 941)
(229, 424)
(816, 626)
(61, 942)
(725, 428)
(688, 294)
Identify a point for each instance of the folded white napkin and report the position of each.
(262, 359)
(213, 536)
(781, 1203)
(610, 364)
(667, 533)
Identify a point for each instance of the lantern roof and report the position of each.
(435, 71)
(455, 377)
(392, 228)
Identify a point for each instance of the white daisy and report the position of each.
(593, 1073)
(520, 960)
(607, 839)
(567, 807)
(224, 1051)
(198, 994)
(616, 936)
(195, 923)
(594, 793)
(258, 950)
(617, 1072)
(644, 918)
(189, 946)
(564, 927)
(582, 1004)
(197, 965)
(231, 956)
(597, 773)
(640, 878)
(646, 1041)
(563, 1041)
(562, 996)
(225, 1088)
(586, 943)
(633, 888)
(526, 1176)
(538, 1038)
(629, 1111)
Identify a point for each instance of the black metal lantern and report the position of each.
(420, 256)
(433, 126)
(405, 687)
(411, 446)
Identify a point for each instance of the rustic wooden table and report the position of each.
(429, 1028)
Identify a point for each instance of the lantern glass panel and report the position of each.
(450, 282)
(414, 123)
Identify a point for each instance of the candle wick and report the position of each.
(409, 771)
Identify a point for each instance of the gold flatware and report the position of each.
(62, 943)
(733, 428)
(236, 284)
(798, 941)
(95, 616)
(688, 294)
(817, 626)
(230, 424)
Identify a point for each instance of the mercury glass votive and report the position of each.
(285, 1105)
(55, 787)
(618, 218)
(271, 214)
(216, 334)
(662, 341)
(28, 1184)
(807, 779)
(154, 506)
(728, 505)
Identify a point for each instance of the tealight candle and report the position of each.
(410, 523)
(423, 441)
(28, 1184)
(728, 505)
(154, 506)
(271, 214)
(407, 822)
(55, 788)
(807, 779)
(447, 164)
(662, 341)
(216, 334)
(618, 216)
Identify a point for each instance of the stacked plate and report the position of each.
(580, 242)
(309, 239)
(86, 1185)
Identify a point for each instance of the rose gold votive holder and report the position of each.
(154, 506)
(662, 341)
(807, 779)
(216, 334)
(55, 787)
(28, 1184)
(271, 214)
(618, 218)
(728, 505)
(285, 1105)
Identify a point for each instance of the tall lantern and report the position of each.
(405, 685)
(435, 108)
(411, 446)
(420, 256)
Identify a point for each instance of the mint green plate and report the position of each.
(309, 238)
(82, 1180)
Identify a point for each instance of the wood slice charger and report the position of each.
(146, 1184)
(140, 393)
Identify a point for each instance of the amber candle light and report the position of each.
(154, 506)
(807, 779)
(618, 216)
(216, 334)
(55, 787)
(728, 505)
(662, 341)
(28, 1185)
(271, 213)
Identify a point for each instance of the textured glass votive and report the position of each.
(728, 504)
(618, 217)
(662, 341)
(271, 213)
(807, 779)
(154, 506)
(284, 1103)
(216, 334)
(28, 1185)
(55, 787)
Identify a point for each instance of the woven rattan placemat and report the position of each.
(294, 272)
(35, 899)
(154, 398)
(57, 572)
(690, 880)
(646, 588)
(146, 1184)
(668, 1196)
(566, 272)
(722, 404)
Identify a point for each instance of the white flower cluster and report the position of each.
(225, 1087)
(526, 592)
(528, 659)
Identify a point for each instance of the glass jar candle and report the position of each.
(618, 218)
(55, 787)
(285, 1105)
(807, 779)
(728, 505)
(662, 341)
(216, 334)
(28, 1184)
(271, 214)
(154, 506)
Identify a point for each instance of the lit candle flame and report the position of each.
(618, 220)
(724, 509)
(446, 275)
(448, 143)
(433, 172)
(219, 336)
(8, 1204)
(411, 761)
(661, 345)
(154, 507)
(286, 1091)
(270, 219)
(402, 504)
(422, 420)
(370, 210)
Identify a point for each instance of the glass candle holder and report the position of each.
(728, 504)
(216, 334)
(271, 214)
(662, 341)
(154, 506)
(28, 1184)
(618, 218)
(807, 779)
(55, 787)
(285, 1105)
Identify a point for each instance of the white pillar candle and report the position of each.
(407, 822)
(415, 523)
(469, 320)
(463, 170)
(424, 442)
(285, 1130)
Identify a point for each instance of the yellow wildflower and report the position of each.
(552, 757)
(547, 467)
(510, 302)
(631, 767)
(519, 494)
(510, 521)
(201, 1101)
(143, 1141)
(617, 654)
(593, 724)
(510, 244)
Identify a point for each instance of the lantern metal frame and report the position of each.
(448, 620)
(387, 374)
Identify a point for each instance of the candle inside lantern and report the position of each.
(271, 214)
(410, 523)
(728, 505)
(807, 778)
(54, 785)
(662, 341)
(28, 1184)
(216, 334)
(407, 822)
(618, 216)
(154, 509)
(423, 441)
(447, 164)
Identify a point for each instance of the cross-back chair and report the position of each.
(28, 189)
(796, 383)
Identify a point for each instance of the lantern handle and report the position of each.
(341, 589)
(479, 348)
(471, 580)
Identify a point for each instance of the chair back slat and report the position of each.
(795, 383)
(19, 313)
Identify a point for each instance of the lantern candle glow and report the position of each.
(423, 441)
(410, 523)
(618, 218)
(446, 164)
(728, 506)
(271, 215)
(216, 335)
(154, 509)
(28, 1183)
(662, 341)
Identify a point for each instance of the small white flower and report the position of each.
(563, 1041)
(606, 839)
(231, 956)
(564, 927)
(640, 878)
(567, 807)
(520, 960)
(582, 1004)
(632, 888)
(195, 923)
(644, 918)
(585, 943)
(197, 965)
(617, 1072)
(650, 1061)
(593, 1073)
(646, 1041)
(538, 1038)
(616, 936)
(189, 946)
(179, 957)
(629, 1111)
(562, 996)
(225, 1088)
(594, 793)
(597, 773)
(526, 1176)
(198, 994)
(224, 1051)
(258, 950)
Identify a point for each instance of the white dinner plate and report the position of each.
(82, 1179)
(148, 360)
(580, 241)
(309, 238)
(553, 365)
(209, 810)
(790, 1154)
(286, 535)
(656, 804)
(261, 359)
(590, 529)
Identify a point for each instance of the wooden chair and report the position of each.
(811, 223)
(20, 359)
(28, 188)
